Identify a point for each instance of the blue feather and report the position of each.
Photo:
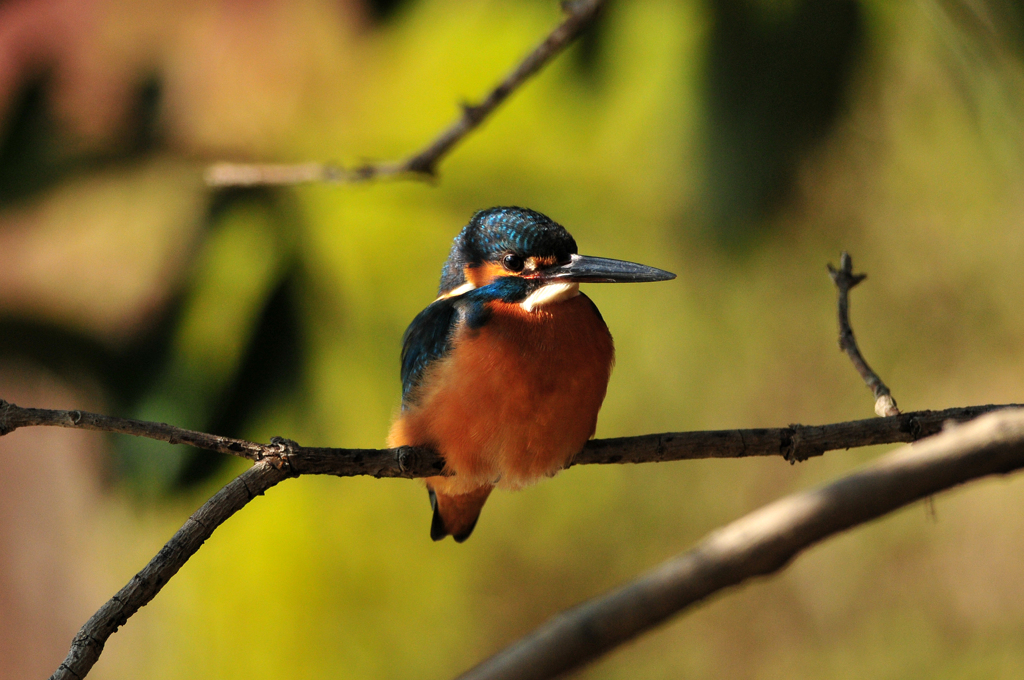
(431, 334)
(427, 339)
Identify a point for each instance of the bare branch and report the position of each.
(282, 458)
(88, 644)
(12, 417)
(424, 163)
(845, 279)
(794, 443)
(761, 543)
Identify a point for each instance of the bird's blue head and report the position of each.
(502, 242)
(523, 247)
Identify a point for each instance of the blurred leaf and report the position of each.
(235, 340)
(36, 152)
(271, 369)
(383, 10)
(32, 152)
(777, 76)
(62, 350)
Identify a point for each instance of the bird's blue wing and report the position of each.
(427, 339)
(429, 336)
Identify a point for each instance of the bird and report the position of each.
(504, 373)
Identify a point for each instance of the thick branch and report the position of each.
(88, 644)
(761, 543)
(424, 163)
(845, 279)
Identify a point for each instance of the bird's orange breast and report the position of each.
(514, 400)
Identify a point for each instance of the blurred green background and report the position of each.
(740, 143)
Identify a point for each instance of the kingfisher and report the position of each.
(504, 373)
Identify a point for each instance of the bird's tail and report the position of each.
(455, 515)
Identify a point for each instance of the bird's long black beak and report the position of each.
(586, 269)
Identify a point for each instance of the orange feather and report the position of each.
(512, 402)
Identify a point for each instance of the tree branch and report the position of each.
(793, 443)
(12, 417)
(845, 279)
(88, 644)
(761, 543)
(284, 458)
(424, 163)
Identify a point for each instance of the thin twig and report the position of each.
(845, 279)
(761, 543)
(12, 417)
(424, 163)
(88, 644)
(794, 443)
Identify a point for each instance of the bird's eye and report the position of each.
(513, 263)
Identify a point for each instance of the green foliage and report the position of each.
(281, 313)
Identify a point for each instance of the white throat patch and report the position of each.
(550, 294)
(464, 288)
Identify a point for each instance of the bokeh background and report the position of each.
(740, 143)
